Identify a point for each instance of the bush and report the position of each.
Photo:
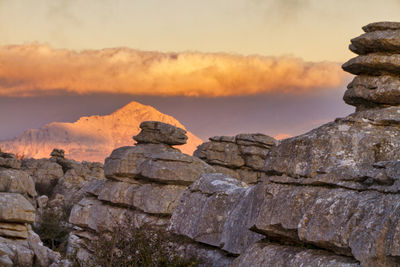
(143, 246)
(52, 229)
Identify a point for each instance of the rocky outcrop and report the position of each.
(144, 185)
(19, 245)
(326, 198)
(241, 156)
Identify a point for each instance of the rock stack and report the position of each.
(143, 183)
(241, 156)
(377, 67)
(329, 197)
(19, 245)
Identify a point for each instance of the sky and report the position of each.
(218, 66)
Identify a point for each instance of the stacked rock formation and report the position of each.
(377, 67)
(144, 184)
(329, 197)
(19, 245)
(241, 156)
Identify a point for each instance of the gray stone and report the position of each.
(359, 224)
(374, 64)
(17, 181)
(91, 213)
(220, 153)
(382, 26)
(149, 198)
(57, 153)
(217, 210)
(8, 160)
(344, 152)
(124, 161)
(155, 132)
(265, 254)
(173, 168)
(15, 208)
(45, 173)
(255, 139)
(370, 91)
(387, 41)
(13, 230)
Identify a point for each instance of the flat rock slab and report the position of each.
(370, 91)
(91, 213)
(149, 198)
(374, 64)
(346, 150)
(382, 26)
(266, 254)
(13, 230)
(364, 225)
(155, 132)
(218, 210)
(387, 41)
(15, 208)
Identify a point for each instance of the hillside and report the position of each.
(92, 138)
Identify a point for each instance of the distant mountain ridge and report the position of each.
(92, 138)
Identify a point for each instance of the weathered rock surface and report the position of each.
(144, 185)
(264, 254)
(382, 26)
(8, 160)
(156, 163)
(372, 91)
(16, 181)
(218, 210)
(241, 156)
(387, 41)
(15, 208)
(374, 64)
(155, 132)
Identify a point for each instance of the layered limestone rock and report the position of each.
(218, 210)
(241, 156)
(19, 245)
(377, 67)
(143, 186)
(328, 197)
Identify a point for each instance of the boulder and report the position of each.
(218, 210)
(14, 208)
(8, 160)
(155, 132)
(57, 153)
(17, 181)
(241, 156)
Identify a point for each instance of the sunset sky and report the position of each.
(218, 66)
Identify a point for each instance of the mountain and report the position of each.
(92, 138)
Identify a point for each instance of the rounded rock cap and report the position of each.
(156, 132)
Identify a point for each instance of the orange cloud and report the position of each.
(34, 69)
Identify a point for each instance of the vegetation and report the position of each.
(144, 246)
